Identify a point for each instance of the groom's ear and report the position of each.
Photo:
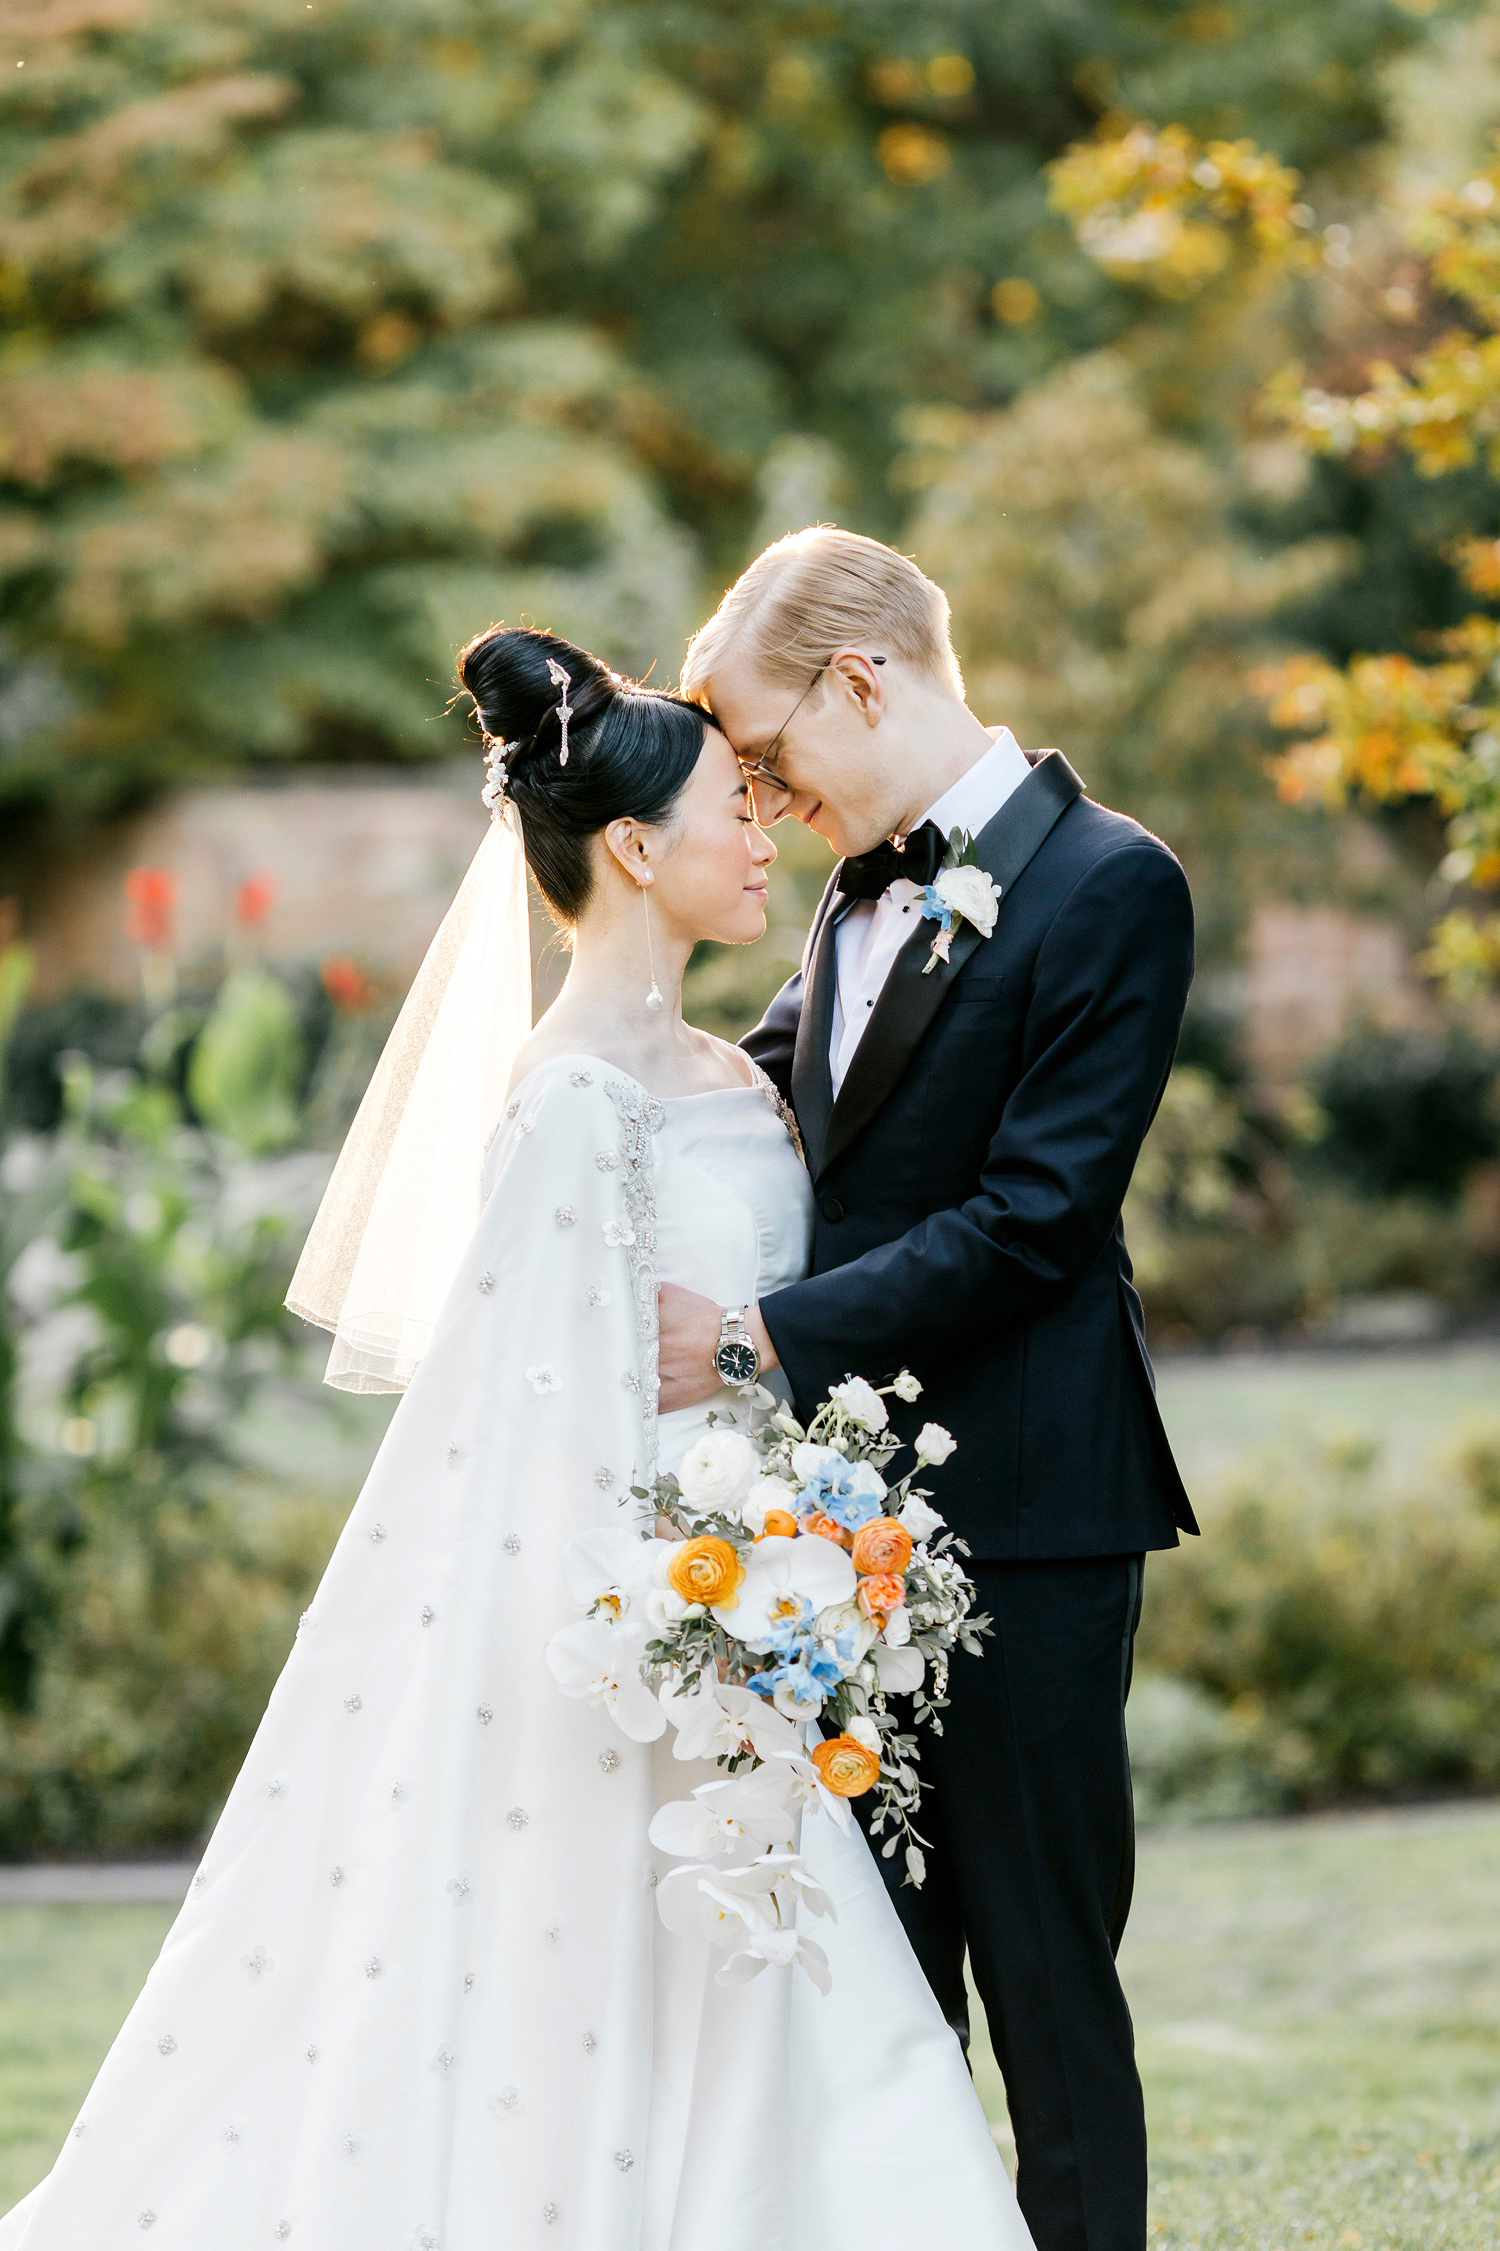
(861, 676)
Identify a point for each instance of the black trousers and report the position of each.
(1029, 1813)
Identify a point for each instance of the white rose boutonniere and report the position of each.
(960, 893)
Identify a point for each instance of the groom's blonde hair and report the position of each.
(817, 591)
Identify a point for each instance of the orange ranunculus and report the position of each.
(780, 1524)
(707, 1571)
(880, 1593)
(884, 1545)
(828, 1528)
(846, 1767)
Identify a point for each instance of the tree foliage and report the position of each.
(334, 330)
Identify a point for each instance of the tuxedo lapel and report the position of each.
(911, 995)
(812, 1076)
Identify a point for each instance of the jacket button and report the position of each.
(832, 1209)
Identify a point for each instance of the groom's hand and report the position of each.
(690, 1327)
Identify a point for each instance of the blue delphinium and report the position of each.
(830, 1492)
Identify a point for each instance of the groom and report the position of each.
(971, 1127)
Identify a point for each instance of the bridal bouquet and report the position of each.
(791, 1591)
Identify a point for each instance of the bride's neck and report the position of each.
(615, 965)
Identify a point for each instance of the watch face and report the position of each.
(736, 1362)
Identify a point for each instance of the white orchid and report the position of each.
(786, 1580)
(610, 1570)
(757, 1808)
(809, 1789)
(862, 1401)
(749, 1912)
(718, 1471)
(601, 1660)
(920, 1520)
(900, 1671)
(714, 1721)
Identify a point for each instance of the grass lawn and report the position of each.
(1318, 2005)
(1221, 1409)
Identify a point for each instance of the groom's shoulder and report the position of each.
(1091, 833)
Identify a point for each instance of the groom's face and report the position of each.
(819, 753)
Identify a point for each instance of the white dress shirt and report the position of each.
(872, 933)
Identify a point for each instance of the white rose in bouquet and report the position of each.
(808, 1459)
(718, 1471)
(907, 1387)
(765, 1494)
(920, 1520)
(862, 1401)
(969, 892)
(865, 1732)
(934, 1444)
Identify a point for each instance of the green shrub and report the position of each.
(1349, 1643)
(169, 1617)
(1408, 1111)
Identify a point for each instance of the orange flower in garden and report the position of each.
(880, 1593)
(780, 1524)
(345, 982)
(884, 1545)
(828, 1528)
(846, 1767)
(151, 897)
(254, 899)
(707, 1571)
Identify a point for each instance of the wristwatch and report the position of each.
(736, 1361)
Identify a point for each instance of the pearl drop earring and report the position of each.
(654, 999)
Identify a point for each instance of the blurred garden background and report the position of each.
(1168, 338)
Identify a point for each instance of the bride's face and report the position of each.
(709, 861)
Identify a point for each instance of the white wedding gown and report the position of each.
(418, 1998)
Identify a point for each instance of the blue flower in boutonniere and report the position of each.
(963, 892)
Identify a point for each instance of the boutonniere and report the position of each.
(962, 891)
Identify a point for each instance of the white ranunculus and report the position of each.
(766, 1493)
(899, 1671)
(934, 1444)
(782, 1574)
(847, 1617)
(808, 1459)
(920, 1520)
(862, 1401)
(972, 894)
(717, 1472)
(907, 1387)
(864, 1732)
(602, 1662)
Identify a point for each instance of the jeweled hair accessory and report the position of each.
(560, 679)
(493, 792)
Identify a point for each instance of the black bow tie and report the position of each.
(871, 873)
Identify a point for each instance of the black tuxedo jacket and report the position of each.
(969, 1177)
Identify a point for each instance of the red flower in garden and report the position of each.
(255, 898)
(345, 982)
(151, 896)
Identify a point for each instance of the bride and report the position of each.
(418, 1998)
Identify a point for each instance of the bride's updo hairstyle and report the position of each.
(630, 751)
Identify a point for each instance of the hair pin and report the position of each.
(560, 679)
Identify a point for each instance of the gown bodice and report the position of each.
(733, 1216)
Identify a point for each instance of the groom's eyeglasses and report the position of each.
(770, 795)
